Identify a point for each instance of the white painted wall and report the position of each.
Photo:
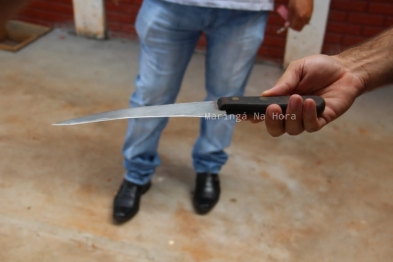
(310, 40)
(89, 16)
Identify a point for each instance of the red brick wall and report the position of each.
(349, 22)
(352, 21)
(121, 17)
(48, 12)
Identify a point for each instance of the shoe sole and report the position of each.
(200, 211)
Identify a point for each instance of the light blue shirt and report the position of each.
(252, 5)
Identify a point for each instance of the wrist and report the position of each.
(371, 61)
(356, 70)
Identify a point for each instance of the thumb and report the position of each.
(288, 82)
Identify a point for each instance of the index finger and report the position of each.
(288, 82)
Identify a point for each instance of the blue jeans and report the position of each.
(168, 34)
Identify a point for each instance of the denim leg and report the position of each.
(233, 41)
(167, 37)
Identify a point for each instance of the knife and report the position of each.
(235, 105)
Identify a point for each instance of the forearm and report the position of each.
(372, 60)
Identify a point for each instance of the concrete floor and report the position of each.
(325, 196)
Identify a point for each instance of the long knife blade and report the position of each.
(209, 109)
(194, 109)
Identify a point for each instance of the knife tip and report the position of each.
(61, 124)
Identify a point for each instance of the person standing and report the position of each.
(168, 32)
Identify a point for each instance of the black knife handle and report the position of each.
(258, 104)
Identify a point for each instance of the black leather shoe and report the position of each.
(207, 192)
(126, 202)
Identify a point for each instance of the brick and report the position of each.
(380, 8)
(370, 31)
(263, 50)
(137, 2)
(110, 6)
(332, 38)
(276, 52)
(272, 30)
(365, 19)
(129, 29)
(348, 5)
(61, 8)
(116, 27)
(123, 18)
(274, 41)
(48, 12)
(275, 19)
(388, 21)
(350, 40)
(269, 57)
(47, 3)
(335, 15)
(46, 16)
(202, 41)
(124, 9)
(33, 20)
(343, 28)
